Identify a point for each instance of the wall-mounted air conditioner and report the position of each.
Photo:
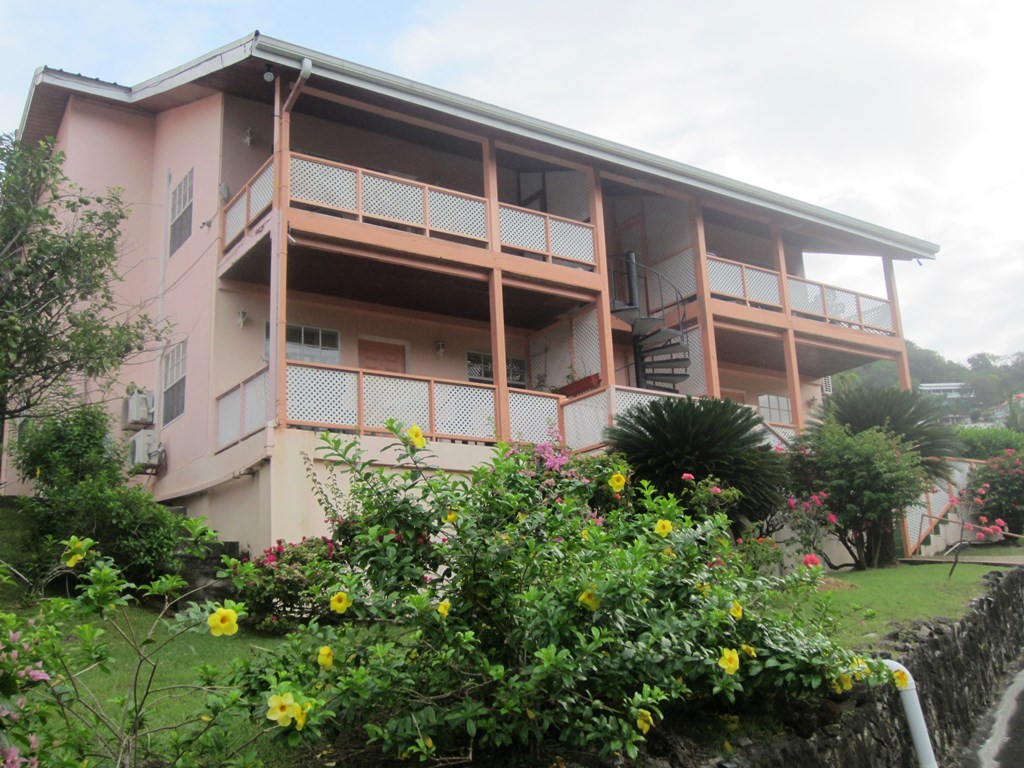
(138, 410)
(145, 450)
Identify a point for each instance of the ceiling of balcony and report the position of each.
(734, 347)
(356, 278)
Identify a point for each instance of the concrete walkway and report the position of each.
(1009, 561)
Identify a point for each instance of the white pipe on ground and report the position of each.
(915, 717)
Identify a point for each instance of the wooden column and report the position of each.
(279, 262)
(789, 337)
(902, 363)
(502, 421)
(604, 305)
(704, 315)
(491, 194)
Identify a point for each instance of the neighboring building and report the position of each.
(335, 245)
(951, 391)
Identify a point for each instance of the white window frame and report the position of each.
(181, 212)
(480, 369)
(775, 409)
(175, 363)
(306, 352)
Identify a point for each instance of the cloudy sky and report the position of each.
(904, 113)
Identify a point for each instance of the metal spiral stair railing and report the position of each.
(661, 355)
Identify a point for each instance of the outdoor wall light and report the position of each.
(249, 137)
(439, 348)
(242, 316)
(269, 74)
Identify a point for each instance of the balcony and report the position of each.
(370, 197)
(759, 287)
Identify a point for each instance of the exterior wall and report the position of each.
(239, 161)
(750, 384)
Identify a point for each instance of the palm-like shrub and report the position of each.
(663, 439)
(915, 418)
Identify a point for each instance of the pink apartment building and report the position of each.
(334, 245)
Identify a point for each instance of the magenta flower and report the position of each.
(792, 502)
(811, 560)
(832, 518)
(715, 489)
(687, 476)
(979, 535)
(1000, 522)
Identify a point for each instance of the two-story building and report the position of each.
(333, 245)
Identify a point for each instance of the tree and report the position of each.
(866, 480)
(60, 322)
(663, 439)
(914, 418)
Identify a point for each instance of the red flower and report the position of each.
(811, 560)
(792, 502)
(832, 518)
(687, 476)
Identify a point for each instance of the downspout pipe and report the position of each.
(915, 717)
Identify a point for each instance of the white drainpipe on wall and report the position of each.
(915, 717)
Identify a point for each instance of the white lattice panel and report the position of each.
(679, 271)
(393, 199)
(229, 418)
(522, 229)
(763, 287)
(387, 397)
(786, 433)
(531, 416)
(323, 395)
(568, 195)
(261, 192)
(668, 224)
(457, 214)
(774, 440)
(877, 313)
(725, 278)
(574, 241)
(549, 356)
(585, 420)
(628, 398)
(323, 184)
(257, 403)
(466, 411)
(695, 385)
(234, 220)
(917, 522)
(586, 344)
(805, 297)
(842, 305)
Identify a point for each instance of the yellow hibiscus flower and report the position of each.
(736, 610)
(729, 661)
(901, 679)
(443, 607)
(340, 602)
(663, 527)
(222, 621)
(283, 709)
(416, 436)
(300, 716)
(644, 721)
(589, 599)
(617, 482)
(749, 650)
(325, 658)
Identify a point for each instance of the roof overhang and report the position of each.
(207, 74)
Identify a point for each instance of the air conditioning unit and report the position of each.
(145, 449)
(138, 410)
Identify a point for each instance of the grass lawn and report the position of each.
(877, 599)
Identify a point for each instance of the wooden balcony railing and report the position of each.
(243, 410)
(249, 205)
(553, 237)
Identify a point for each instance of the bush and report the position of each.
(998, 487)
(82, 488)
(503, 609)
(983, 444)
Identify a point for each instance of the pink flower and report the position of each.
(715, 489)
(985, 485)
(977, 500)
(979, 535)
(982, 491)
(811, 560)
(37, 675)
(687, 476)
(983, 519)
(817, 500)
(968, 527)
(739, 541)
(1000, 522)
(832, 518)
(792, 502)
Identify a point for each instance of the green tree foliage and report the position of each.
(665, 438)
(82, 489)
(60, 320)
(984, 443)
(866, 479)
(913, 417)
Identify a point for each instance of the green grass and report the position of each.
(880, 599)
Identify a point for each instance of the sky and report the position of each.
(908, 114)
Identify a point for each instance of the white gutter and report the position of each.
(915, 717)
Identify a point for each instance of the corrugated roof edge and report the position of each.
(286, 54)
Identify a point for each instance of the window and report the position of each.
(174, 382)
(181, 212)
(480, 368)
(775, 408)
(308, 344)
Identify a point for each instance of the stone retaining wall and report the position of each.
(960, 668)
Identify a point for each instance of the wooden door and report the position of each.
(381, 356)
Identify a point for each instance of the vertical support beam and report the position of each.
(704, 315)
(491, 194)
(279, 262)
(779, 257)
(902, 363)
(502, 421)
(604, 306)
(793, 378)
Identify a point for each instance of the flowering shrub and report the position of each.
(286, 585)
(504, 609)
(997, 489)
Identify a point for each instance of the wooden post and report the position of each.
(902, 363)
(502, 420)
(705, 317)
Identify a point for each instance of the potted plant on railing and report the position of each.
(575, 386)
